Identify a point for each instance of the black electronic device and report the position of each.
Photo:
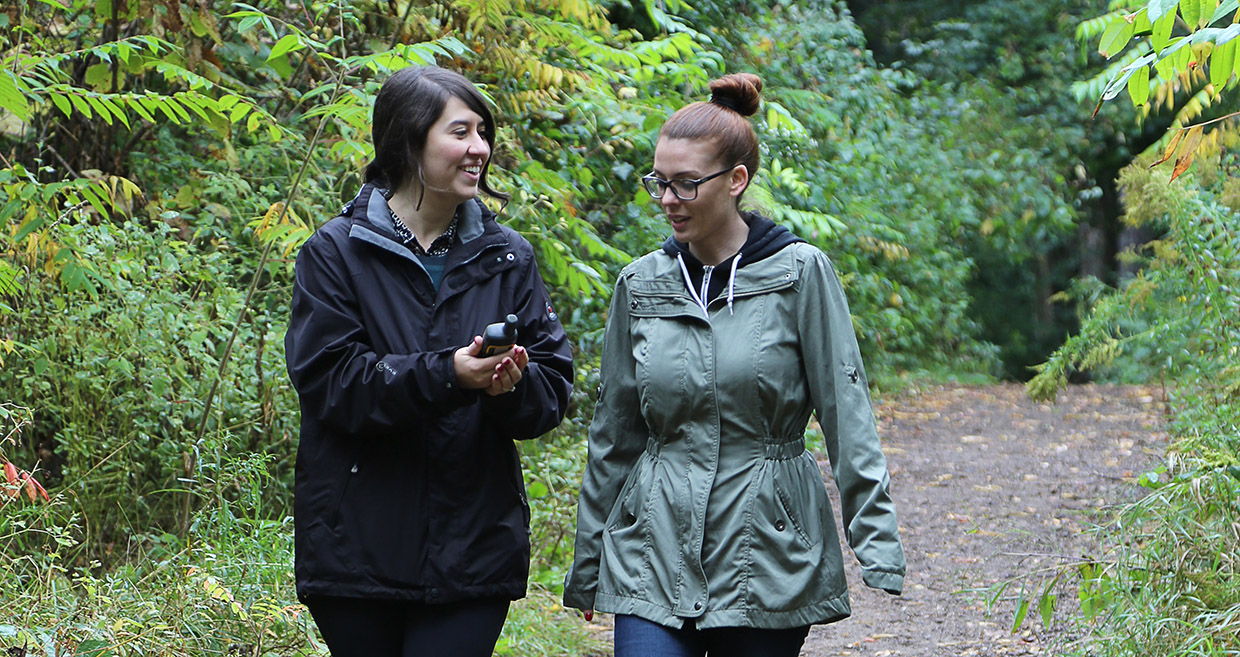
(499, 337)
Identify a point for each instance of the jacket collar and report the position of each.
(662, 275)
(372, 221)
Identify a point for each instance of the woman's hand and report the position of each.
(494, 375)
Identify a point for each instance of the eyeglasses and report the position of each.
(684, 188)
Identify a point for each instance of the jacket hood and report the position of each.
(766, 238)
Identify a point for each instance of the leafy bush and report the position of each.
(1166, 583)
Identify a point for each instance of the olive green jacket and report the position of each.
(699, 499)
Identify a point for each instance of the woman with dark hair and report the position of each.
(412, 524)
(703, 522)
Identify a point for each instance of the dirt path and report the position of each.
(988, 485)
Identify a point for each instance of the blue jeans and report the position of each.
(638, 637)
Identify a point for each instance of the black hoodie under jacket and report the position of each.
(765, 239)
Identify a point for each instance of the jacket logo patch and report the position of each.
(551, 313)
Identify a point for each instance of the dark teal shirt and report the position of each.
(434, 266)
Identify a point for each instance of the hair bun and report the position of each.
(739, 92)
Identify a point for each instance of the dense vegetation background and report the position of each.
(162, 161)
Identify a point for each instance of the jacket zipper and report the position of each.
(707, 270)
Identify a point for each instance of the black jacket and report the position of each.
(407, 486)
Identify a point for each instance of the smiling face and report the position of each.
(710, 222)
(455, 153)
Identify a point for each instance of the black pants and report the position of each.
(391, 628)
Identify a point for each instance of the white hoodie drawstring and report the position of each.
(736, 264)
(689, 284)
(698, 298)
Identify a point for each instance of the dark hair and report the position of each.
(723, 120)
(409, 103)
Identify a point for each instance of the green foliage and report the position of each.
(150, 155)
(1181, 308)
(1164, 585)
(538, 626)
(119, 374)
(1176, 60)
(1176, 55)
(1019, 175)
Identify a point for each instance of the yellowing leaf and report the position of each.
(1190, 146)
(1171, 146)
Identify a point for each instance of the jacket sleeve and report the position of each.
(839, 390)
(617, 438)
(539, 401)
(339, 377)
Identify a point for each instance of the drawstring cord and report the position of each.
(689, 284)
(684, 271)
(736, 264)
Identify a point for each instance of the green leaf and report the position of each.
(1161, 35)
(62, 103)
(1191, 10)
(116, 110)
(1222, 65)
(1046, 607)
(246, 24)
(28, 228)
(1125, 74)
(281, 66)
(538, 490)
(100, 109)
(239, 111)
(1118, 34)
(1022, 610)
(11, 97)
(94, 648)
(1208, 7)
(1227, 7)
(287, 44)
(1139, 86)
(99, 76)
(80, 104)
(1157, 8)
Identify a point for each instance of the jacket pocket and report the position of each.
(788, 562)
(629, 504)
(625, 560)
(350, 474)
(800, 495)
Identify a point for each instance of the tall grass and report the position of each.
(1167, 583)
(226, 588)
